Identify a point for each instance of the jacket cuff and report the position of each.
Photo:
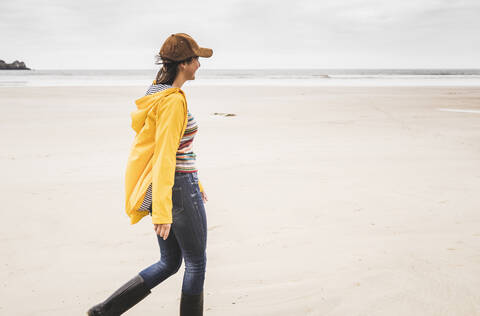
(200, 186)
(161, 219)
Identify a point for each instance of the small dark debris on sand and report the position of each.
(224, 114)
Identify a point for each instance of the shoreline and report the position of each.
(227, 85)
(260, 85)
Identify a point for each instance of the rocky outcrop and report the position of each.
(16, 65)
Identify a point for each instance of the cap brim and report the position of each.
(204, 52)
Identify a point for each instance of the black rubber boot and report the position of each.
(122, 299)
(191, 305)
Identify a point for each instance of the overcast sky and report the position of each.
(51, 34)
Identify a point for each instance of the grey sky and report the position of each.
(49, 34)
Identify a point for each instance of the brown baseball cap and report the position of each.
(180, 46)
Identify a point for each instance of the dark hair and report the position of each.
(168, 73)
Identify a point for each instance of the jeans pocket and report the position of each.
(194, 178)
(177, 200)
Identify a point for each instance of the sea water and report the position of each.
(282, 77)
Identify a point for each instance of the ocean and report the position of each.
(283, 77)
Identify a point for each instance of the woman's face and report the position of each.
(191, 68)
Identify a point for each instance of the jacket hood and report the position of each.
(147, 102)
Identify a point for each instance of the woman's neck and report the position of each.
(179, 81)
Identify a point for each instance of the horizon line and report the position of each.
(296, 68)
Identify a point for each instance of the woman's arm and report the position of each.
(170, 123)
(202, 192)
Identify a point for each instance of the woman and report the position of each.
(161, 180)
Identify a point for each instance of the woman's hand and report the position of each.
(204, 196)
(162, 229)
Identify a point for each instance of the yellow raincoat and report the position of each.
(159, 122)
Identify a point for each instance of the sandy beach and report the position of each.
(322, 201)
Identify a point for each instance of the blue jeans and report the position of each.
(187, 238)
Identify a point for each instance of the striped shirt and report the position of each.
(185, 161)
(185, 155)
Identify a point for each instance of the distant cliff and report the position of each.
(16, 65)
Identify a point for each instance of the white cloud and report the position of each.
(244, 34)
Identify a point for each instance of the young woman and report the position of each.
(162, 180)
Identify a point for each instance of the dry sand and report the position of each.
(322, 201)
